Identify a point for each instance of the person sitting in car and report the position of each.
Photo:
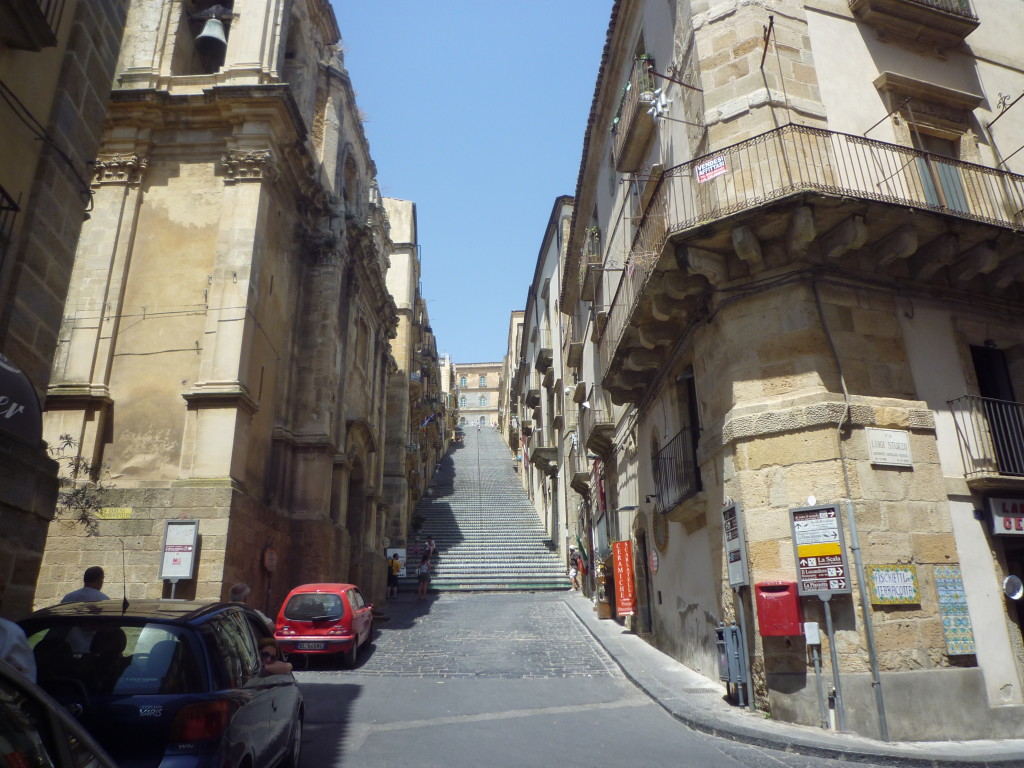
(270, 657)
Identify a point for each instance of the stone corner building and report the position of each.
(794, 271)
(225, 343)
(56, 63)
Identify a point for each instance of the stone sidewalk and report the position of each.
(677, 689)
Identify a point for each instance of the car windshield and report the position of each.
(318, 606)
(109, 657)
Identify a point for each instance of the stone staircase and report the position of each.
(488, 534)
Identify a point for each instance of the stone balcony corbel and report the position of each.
(848, 235)
(801, 231)
(654, 335)
(939, 253)
(901, 243)
(1009, 272)
(747, 245)
(979, 260)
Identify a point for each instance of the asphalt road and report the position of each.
(496, 680)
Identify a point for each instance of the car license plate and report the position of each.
(310, 646)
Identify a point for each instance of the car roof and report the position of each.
(177, 611)
(321, 587)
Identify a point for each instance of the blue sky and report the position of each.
(475, 111)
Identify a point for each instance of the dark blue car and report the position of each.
(169, 683)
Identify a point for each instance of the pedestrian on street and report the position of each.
(15, 650)
(431, 548)
(423, 576)
(574, 568)
(240, 594)
(394, 567)
(90, 592)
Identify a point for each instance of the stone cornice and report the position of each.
(221, 395)
(812, 413)
(70, 395)
(119, 169)
(250, 165)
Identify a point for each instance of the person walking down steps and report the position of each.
(423, 576)
(574, 568)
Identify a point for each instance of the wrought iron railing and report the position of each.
(636, 94)
(959, 7)
(8, 210)
(675, 471)
(591, 253)
(991, 435)
(596, 412)
(793, 160)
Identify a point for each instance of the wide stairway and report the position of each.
(487, 532)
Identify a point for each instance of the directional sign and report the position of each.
(820, 551)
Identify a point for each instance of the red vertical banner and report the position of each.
(625, 590)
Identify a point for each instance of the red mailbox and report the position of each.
(778, 609)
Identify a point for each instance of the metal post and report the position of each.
(822, 711)
(865, 606)
(840, 713)
(745, 658)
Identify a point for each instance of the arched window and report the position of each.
(462, 401)
(462, 381)
(483, 400)
(483, 380)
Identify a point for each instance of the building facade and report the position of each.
(417, 407)
(478, 385)
(225, 348)
(547, 449)
(791, 274)
(56, 63)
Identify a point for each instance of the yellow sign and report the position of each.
(115, 513)
(819, 550)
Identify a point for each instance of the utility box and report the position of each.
(730, 654)
(778, 609)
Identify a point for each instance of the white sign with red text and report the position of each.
(1007, 517)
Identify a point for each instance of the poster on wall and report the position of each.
(178, 555)
(401, 560)
(625, 591)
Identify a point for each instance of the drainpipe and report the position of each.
(851, 522)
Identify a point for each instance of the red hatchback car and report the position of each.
(320, 619)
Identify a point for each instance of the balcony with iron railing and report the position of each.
(991, 437)
(30, 25)
(590, 264)
(8, 210)
(598, 422)
(944, 23)
(633, 124)
(790, 163)
(675, 471)
(545, 353)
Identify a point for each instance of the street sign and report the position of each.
(820, 551)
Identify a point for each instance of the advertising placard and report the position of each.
(178, 555)
(710, 168)
(1007, 516)
(821, 565)
(625, 591)
(735, 546)
(401, 560)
